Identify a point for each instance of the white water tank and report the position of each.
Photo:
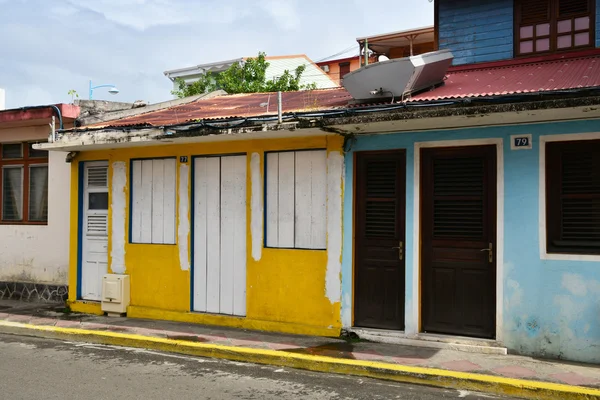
(399, 76)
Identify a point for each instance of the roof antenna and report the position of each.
(279, 106)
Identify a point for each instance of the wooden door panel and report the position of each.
(458, 215)
(474, 295)
(380, 204)
(444, 284)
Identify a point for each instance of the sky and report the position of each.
(49, 47)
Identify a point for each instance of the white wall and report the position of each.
(41, 253)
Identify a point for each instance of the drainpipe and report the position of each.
(279, 106)
(55, 108)
(366, 51)
(52, 137)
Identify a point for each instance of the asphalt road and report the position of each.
(32, 368)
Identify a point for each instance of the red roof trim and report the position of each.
(521, 61)
(41, 112)
(337, 60)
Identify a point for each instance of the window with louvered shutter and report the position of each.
(380, 204)
(573, 197)
(545, 26)
(96, 194)
(458, 198)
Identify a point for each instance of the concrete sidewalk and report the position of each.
(499, 374)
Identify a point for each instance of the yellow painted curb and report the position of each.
(379, 370)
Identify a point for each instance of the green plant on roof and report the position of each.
(73, 93)
(247, 77)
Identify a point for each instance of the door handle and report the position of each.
(400, 249)
(490, 251)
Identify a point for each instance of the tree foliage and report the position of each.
(247, 77)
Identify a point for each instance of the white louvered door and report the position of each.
(94, 255)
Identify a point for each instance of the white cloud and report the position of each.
(130, 43)
(284, 13)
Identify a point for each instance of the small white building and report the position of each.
(277, 66)
(34, 205)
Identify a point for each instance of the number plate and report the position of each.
(520, 142)
(183, 159)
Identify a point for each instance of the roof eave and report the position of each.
(411, 120)
(384, 36)
(115, 138)
(200, 68)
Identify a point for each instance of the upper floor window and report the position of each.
(545, 26)
(23, 183)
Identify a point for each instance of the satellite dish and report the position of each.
(113, 90)
(382, 58)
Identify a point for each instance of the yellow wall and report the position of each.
(285, 288)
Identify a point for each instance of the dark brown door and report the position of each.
(379, 239)
(344, 70)
(458, 247)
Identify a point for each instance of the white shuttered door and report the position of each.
(220, 235)
(94, 257)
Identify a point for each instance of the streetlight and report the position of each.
(113, 89)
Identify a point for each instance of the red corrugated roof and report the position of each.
(521, 77)
(557, 72)
(239, 105)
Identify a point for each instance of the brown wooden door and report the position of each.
(379, 240)
(458, 217)
(344, 70)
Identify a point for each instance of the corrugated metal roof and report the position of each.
(239, 105)
(462, 82)
(532, 77)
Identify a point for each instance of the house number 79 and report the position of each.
(521, 141)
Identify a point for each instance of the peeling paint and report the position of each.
(575, 284)
(514, 295)
(118, 204)
(183, 227)
(346, 310)
(335, 179)
(256, 204)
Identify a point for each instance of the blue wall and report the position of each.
(597, 23)
(551, 308)
(476, 31)
(481, 31)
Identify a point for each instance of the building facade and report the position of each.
(277, 67)
(34, 206)
(464, 216)
(391, 45)
(235, 230)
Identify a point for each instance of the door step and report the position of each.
(470, 345)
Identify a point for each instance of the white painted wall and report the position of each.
(41, 253)
(2, 99)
